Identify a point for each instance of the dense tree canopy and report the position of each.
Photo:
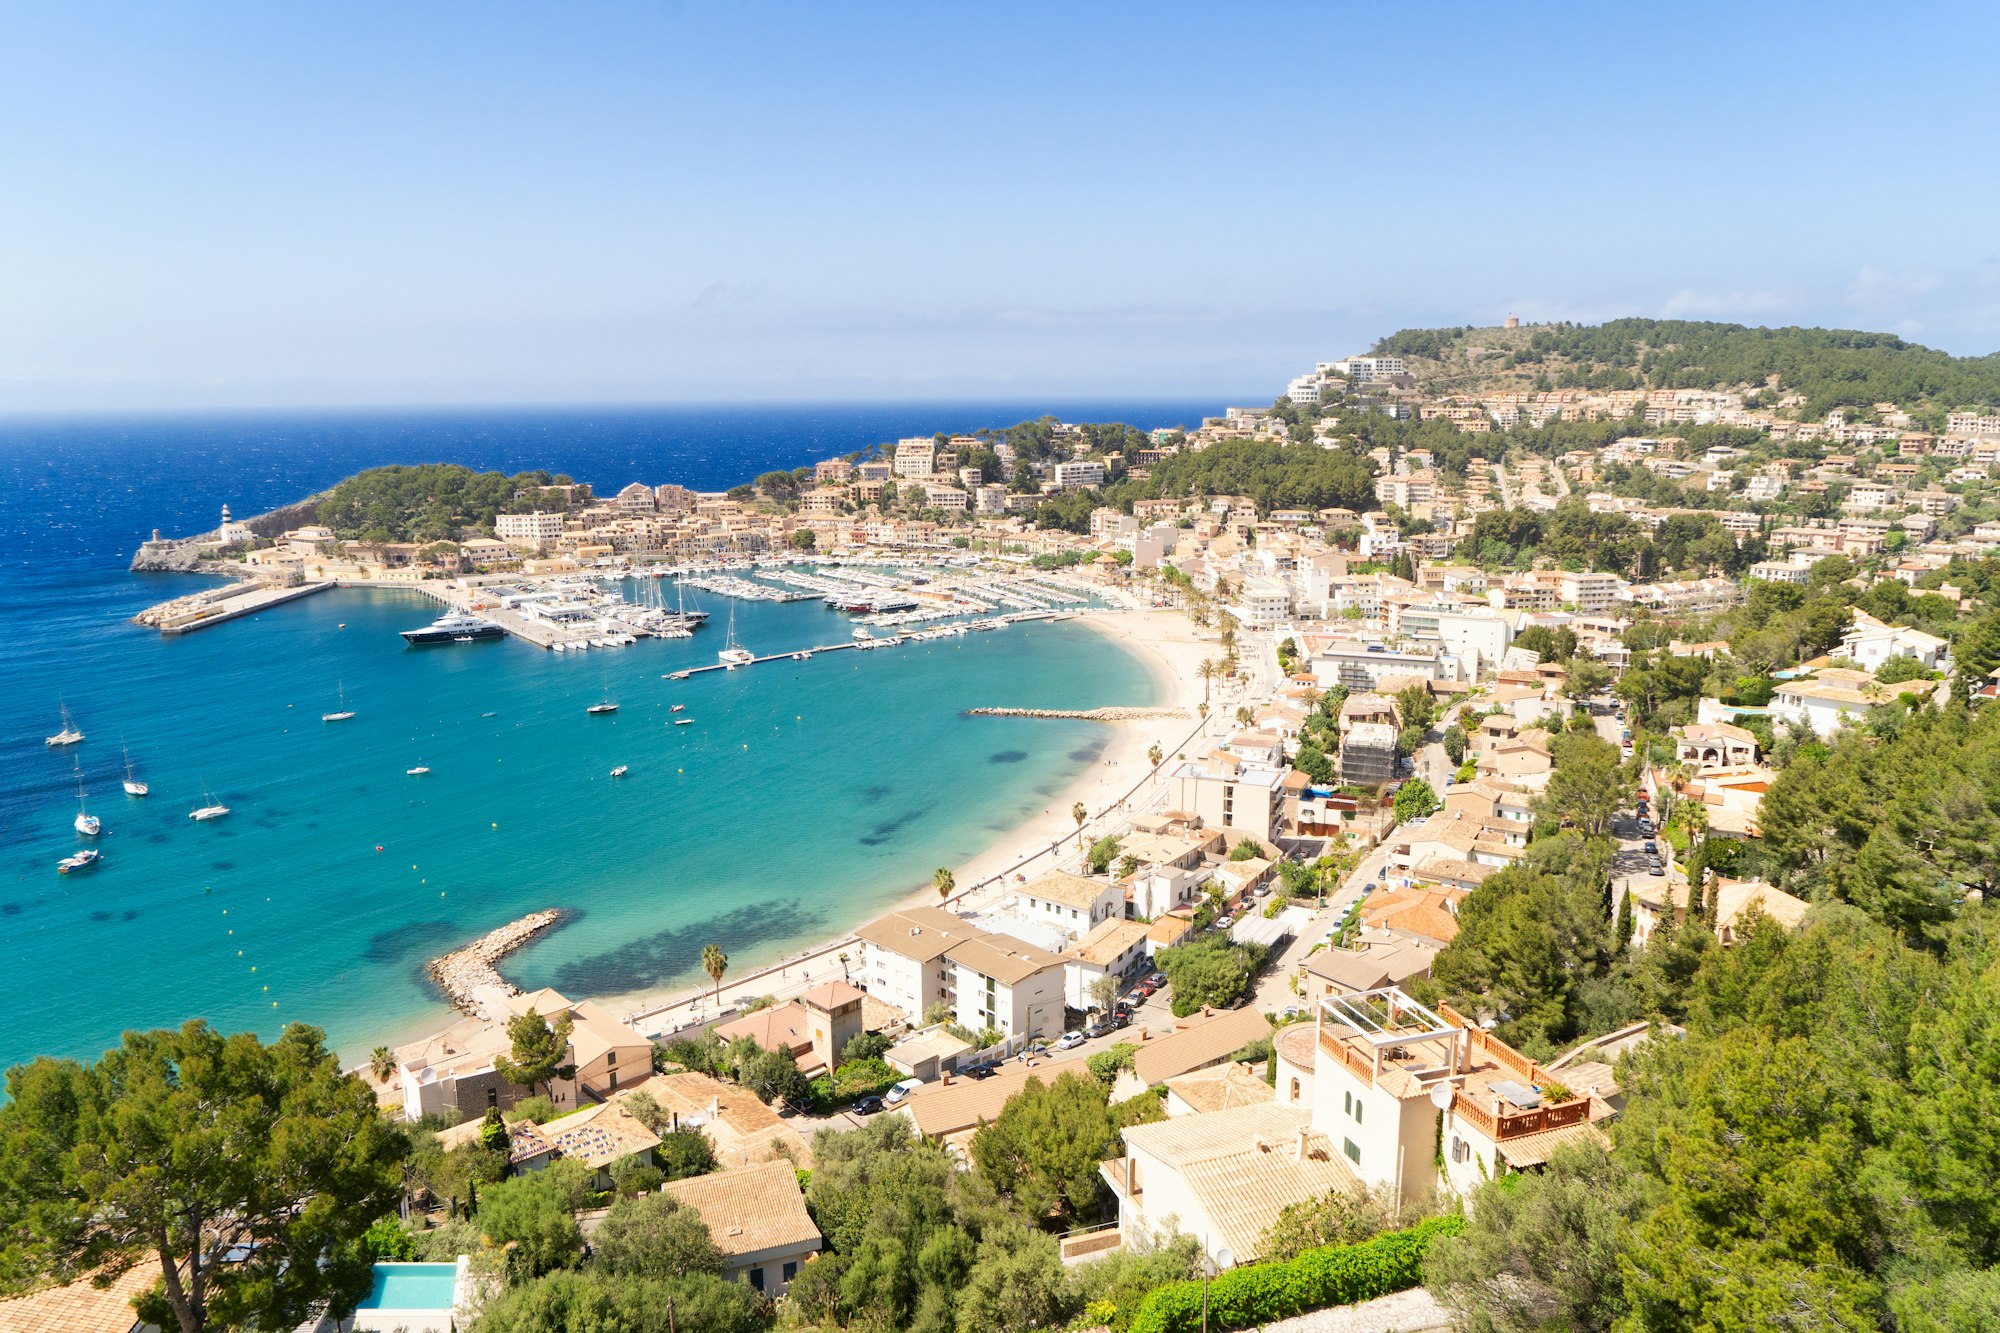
(434, 502)
(245, 1174)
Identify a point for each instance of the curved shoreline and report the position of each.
(1162, 642)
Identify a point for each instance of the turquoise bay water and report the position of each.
(804, 796)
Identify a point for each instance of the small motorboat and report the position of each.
(489, 715)
(677, 708)
(82, 860)
(620, 771)
(418, 771)
(683, 721)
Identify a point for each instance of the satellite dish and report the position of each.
(1441, 1095)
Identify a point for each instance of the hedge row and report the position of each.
(1336, 1275)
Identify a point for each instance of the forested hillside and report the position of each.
(433, 502)
(1831, 367)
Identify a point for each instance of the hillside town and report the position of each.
(1268, 990)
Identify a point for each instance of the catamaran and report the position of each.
(735, 655)
(133, 786)
(86, 823)
(210, 808)
(341, 714)
(69, 735)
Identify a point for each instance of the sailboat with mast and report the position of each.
(86, 823)
(735, 655)
(341, 714)
(133, 786)
(69, 735)
(210, 808)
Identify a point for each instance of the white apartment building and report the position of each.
(988, 500)
(916, 457)
(1008, 985)
(1078, 474)
(534, 530)
(1362, 369)
(1778, 571)
(1072, 903)
(948, 498)
(1266, 603)
(903, 959)
(1116, 948)
(1222, 791)
(1304, 389)
(1588, 591)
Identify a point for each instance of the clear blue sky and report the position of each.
(257, 203)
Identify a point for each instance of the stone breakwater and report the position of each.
(1085, 714)
(467, 976)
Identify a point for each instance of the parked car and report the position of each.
(867, 1105)
(1656, 869)
(1102, 1027)
(1069, 1041)
(1121, 1020)
(979, 1071)
(1144, 990)
(902, 1090)
(1224, 922)
(1652, 847)
(1157, 980)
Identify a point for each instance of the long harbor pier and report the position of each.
(184, 615)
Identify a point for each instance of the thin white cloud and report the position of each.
(1693, 303)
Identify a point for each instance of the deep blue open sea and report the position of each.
(804, 797)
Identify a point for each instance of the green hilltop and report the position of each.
(1831, 367)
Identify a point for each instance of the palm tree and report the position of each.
(942, 881)
(382, 1064)
(1244, 715)
(843, 964)
(1207, 671)
(1079, 814)
(1156, 754)
(715, 962)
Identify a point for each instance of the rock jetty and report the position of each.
(468, 977)
(1083, 715)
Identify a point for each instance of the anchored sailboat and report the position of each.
(343, 713)
(133, 786)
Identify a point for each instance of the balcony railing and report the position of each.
(1515, 1124)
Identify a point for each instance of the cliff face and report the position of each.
(184, 555)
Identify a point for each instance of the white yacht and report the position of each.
(735, 655)
(419, 770)
(210, 809)
(620, 771)
(133, 786)
(69, 735)
(341, 714)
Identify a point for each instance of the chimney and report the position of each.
(1299, 1148)
(714, 1109)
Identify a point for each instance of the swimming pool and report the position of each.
(412, 1287)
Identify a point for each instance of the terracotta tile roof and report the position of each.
(1008, 961)
(599, 1135)
(1535, 1149)
(753, 1211)
(922, 933)
(1223, 1086)
(742, 1129)
(1424, 913)
(1243, 1165)
(1108, 939)
(81, 1307)
(833, 995)
(775, 1027)
(1061, 887)
(1205, 1042)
